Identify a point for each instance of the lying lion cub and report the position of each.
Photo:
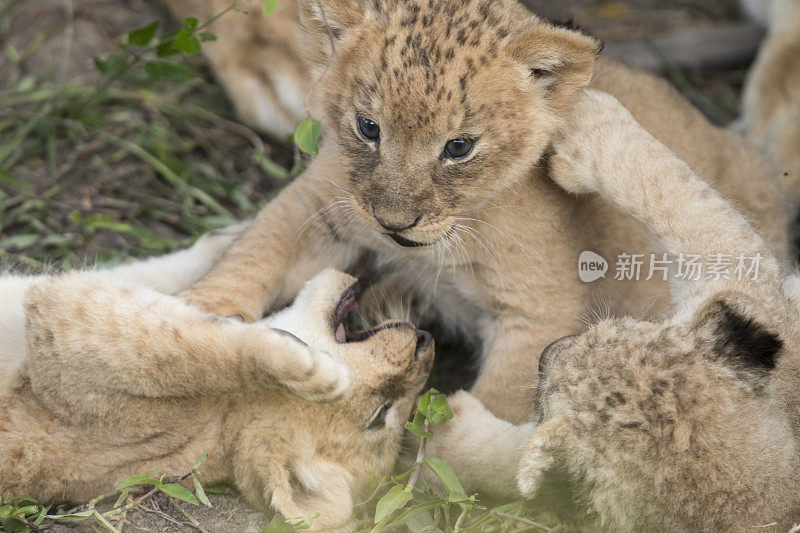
(686, 424)
(104, 377)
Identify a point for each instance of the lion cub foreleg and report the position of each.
(86, 332)
(603, 150)
(286, 245)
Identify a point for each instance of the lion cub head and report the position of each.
(303, 458)
(434, 107)
(680, 426)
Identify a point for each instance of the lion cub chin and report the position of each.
(116, 379)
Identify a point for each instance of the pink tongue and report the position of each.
(341, 334)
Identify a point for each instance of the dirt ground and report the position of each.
(77, 188)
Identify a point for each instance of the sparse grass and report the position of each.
(128, 168)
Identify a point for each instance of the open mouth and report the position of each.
(344, 335)
(402, 241)
(347, 304)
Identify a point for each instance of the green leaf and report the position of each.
(200, 493)
(307, 136)
(180, 492)
(278, 525)
(185, 41)
(18, 241)
(13, 525)
(446, 474)
(424, 402)
(457, 496)
(200, 461)
(439, 405)
(395, 499)
(421, 523)
(143, 36)
(167, 48)
(138, 479)
(22, 501)
(219, 489)
(269, 7)
(12, 53)
(417, 425)
(54, 240)
(190, 23)
(207, 36)
(41, 516)
(25, 511)
(103, 522)
(82, 515)
(111, 66)
(122, 497)
(166, 70)
(418, 430)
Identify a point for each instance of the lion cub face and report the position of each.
(332, 448)
(676, 425)
(389, 363)
(434, 107)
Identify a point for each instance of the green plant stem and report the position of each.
(418, 463)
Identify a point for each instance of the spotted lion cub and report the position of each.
(686, 424)
(102, 377)
(437, 115)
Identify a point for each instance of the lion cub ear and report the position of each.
(325, 22)
(562, 55)
(738, 333)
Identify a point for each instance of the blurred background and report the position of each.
(103, 162)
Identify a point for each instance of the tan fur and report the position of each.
(771, 102)
(120, 380)
(257, 60)
(681, 424)
(503, 239)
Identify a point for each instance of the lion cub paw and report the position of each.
(572, 173)
(310, 373)
(586, 145)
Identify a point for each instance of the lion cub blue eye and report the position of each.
(458, 148)
(369, 129)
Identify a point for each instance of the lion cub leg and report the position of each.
(85, 331)
(272, 259)
(603, 150)
(172, 273)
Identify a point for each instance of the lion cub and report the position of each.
(436, 118)
(112, 378)
(690, 423)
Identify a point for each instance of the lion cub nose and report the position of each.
(396, 222)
